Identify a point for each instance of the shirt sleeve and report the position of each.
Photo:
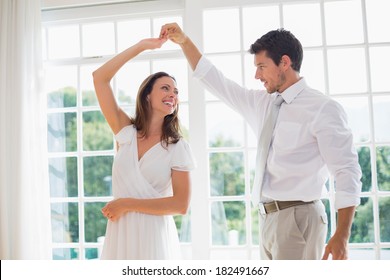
(336, 146)
(182, 159)
(250, 104)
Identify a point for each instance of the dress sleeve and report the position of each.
(182, 159)
(125, 135)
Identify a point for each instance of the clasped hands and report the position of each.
(170, 31)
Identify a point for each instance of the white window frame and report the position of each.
(192, 13)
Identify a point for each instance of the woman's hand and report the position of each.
(114, 209)
(152, 43)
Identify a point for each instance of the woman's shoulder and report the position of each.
(125, 134)
(183, 158)
(181, 143)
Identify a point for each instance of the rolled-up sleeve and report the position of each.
(335, 142)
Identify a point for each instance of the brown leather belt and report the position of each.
(269, 207)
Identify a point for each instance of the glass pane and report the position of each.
(342, 30)
(183, 225)
(129, 79)
(363, 224)
(250, 16)
(384, 218)
(385, 254)
(251, 138)
(358, 117)
(382, 117)
(313, 69)
(252, 165)
(347, 70)
(227, 174)
(63, 41)
(327, 210)
(179, 70)
(158, 22)
(64, 222)
(129, 110)
(97, 134)
(61, 86)
(378, 20)
(296, 18)
(379, 59)
(91, 253)
(184, 120)
(98, 39)
(63, 177)
(86, 84)
(95, 222)
(361, 254)
(64, 97)
(217, 39)
(65, 254)
(228, 223)
(383, 168)
(255, 226)
(225, 128)
(97, 176)
(365, 164)
(131, 32)
(250, 71)
(61, 132)
(44, 45)
(233, 72)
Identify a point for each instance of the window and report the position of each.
(81, 144)
(342, 58)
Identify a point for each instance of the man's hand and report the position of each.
(173, 32)
(338, 244)
(337, 247)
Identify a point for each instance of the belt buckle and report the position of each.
(262, 209)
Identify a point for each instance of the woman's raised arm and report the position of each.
(102, 77)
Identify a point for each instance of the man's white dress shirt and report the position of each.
(311, 140)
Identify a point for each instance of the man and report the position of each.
(311, 138)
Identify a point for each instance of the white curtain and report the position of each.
(24, 195)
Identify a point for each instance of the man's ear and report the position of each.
(285, 62)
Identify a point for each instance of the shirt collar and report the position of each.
(292, 92)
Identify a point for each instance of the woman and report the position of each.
(150, 175)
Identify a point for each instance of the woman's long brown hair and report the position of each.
(171, 127)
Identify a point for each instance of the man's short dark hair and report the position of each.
(277, 43)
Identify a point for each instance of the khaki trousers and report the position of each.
(295, 233)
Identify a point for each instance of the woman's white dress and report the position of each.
(137, 235)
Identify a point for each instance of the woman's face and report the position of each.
(164, 96)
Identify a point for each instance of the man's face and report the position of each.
(269, 73)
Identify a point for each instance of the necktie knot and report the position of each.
(279, 100)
